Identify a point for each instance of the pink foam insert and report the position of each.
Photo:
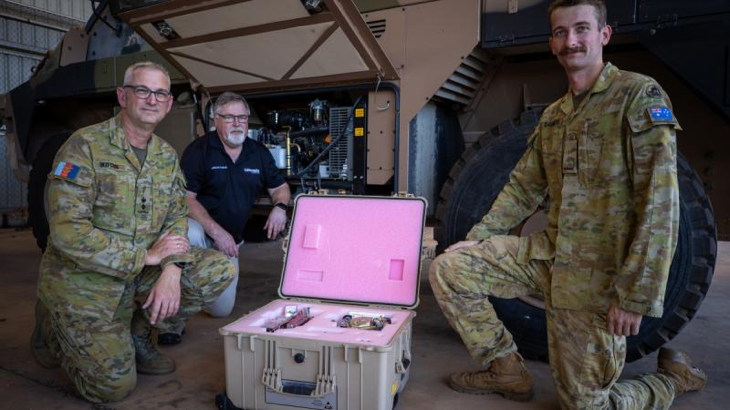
(359, 249)
(323, 325)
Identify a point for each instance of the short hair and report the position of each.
(144, 65)
(599, 7)
(227, 98)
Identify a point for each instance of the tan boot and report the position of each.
(149, 359)
(39, 339)
(677, 366)
(507, 376)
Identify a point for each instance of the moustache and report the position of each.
(571, 50)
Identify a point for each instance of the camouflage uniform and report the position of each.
(104, 214)
(608, 167)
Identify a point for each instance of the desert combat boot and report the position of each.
(149, 359)
(677, 366)
(507, 376)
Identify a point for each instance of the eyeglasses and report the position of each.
(243, 119)
(143, 92)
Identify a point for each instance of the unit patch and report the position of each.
(653, 92)
(66, 170)
(660, 114)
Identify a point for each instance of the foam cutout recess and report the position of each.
(323, 324)
(358, 249)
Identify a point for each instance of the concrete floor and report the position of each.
(437, 350)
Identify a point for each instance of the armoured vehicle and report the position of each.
(434, 98)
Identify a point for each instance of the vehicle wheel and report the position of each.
(37, 187)
(468, 194)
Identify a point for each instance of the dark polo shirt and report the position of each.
(228, 190)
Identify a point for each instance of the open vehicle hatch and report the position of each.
(259, 45)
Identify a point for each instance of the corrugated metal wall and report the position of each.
(28, 28)
(76, 9)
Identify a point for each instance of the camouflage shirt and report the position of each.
(609, 169)
(105, 211)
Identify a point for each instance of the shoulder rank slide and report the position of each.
(66, 170)
(660, 114)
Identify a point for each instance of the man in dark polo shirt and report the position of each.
(225, 171)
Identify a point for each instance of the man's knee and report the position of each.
(442, 271)
(223, 305)
(213, 272)
(105, 388)
(196, 233)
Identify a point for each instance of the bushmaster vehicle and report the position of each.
(434, 98)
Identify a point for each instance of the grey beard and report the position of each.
(235, 138)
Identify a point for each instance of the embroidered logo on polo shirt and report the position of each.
(219, 167)
(254, 171)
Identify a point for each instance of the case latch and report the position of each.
(272, 374)
(326, 380)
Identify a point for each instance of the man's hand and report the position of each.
(164, 297)
(166, 245)
(276, 222)
(460, 245)
(623, 323)
(224, 242)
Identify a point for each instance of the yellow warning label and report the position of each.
(393, 388)
(359, 131)
(359, 112)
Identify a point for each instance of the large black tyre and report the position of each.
(479, 176)
(37, 186)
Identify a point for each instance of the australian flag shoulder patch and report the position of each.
(660, 114)
(66, 170)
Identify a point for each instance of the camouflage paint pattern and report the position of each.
(608, 167)
(102, 220)
(585, 360)
(610, 173)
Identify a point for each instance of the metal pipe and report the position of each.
(288, 150)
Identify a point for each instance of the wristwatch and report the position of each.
(283, 206)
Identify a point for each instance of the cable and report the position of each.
(375, 99)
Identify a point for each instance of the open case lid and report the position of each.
(355, 249)
(258, 45)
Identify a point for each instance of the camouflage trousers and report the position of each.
(223, 305)
(98, 354)
(586, 361)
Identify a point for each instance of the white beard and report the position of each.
(235, 138)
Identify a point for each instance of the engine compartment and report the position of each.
(318, 140)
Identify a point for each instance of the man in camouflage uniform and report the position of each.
(118, 261)
(605, 155)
